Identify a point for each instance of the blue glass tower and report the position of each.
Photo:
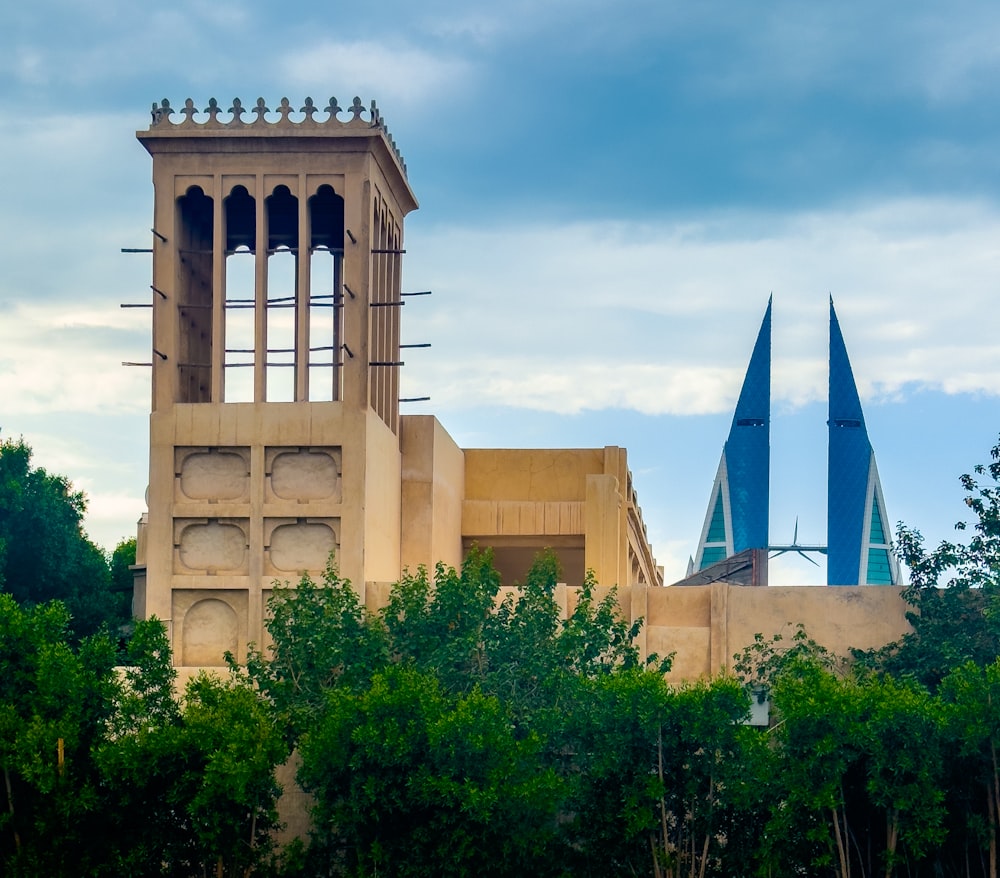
(737, 517)
(859, 550)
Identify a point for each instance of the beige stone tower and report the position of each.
(275, 431)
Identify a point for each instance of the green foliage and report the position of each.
(54, 702)
(192, 790)
(861, 773)
(759, 664)
(666, 778)
(44, 553)
(818, 743)
(234, 746)
(466, 729)
(320, 638)
(145, 697)
(462, 730)
(618, 789)
(122, 581)
(106, 773)
(971, 696)
(410, 781)
(954, 591)
(904, 744)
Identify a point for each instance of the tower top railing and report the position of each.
(311, 121)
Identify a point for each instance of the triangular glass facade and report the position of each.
(717, 527)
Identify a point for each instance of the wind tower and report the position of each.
(737, 517)
(859, 550)
(274, 431)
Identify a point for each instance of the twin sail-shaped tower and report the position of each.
(858, 546)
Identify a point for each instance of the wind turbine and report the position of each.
(797, 547)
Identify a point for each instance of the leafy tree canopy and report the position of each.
(44, 553)
(954, 591)
(463, 729)
(105, 772)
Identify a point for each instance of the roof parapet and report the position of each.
(361, 118)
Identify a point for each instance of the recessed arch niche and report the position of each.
(209, 630)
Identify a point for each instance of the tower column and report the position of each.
(246, 493)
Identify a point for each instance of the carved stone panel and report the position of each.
(304, 474)
(212, 474)
(298, 545)
(210, 546)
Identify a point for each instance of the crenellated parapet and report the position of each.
(311, 119)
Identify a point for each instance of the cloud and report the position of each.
(571, 387)
(962, 51)
(478, 27)
(791, 51)
(109, 514)
(71, 361)
(661, 317)
(90, 52)
(395, 71)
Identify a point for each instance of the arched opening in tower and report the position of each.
(326, 295)
(240, 296)
(282, 210)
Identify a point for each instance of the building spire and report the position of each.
(859, 548)
(737, 516)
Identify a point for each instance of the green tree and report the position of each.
(903, 746)
(667, 781)
(972, 703)
(412, 781)
(954, 590)
(190, 787)
(44, 552)
(122, 582)
(818, 740)
(715, 769)
(759, 664)
(454, 725)
(144, 831)
(105, 772)
(55, 701)
(615, 789)
(320, 638)
(233, 745)
(859, 773)
(446, 626)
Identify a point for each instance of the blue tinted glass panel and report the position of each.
(877, 532)
(717, 529)
(712, 555)
(879, 572)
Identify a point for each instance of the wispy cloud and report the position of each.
(661, 317)
(54, 360)
(395, 71)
